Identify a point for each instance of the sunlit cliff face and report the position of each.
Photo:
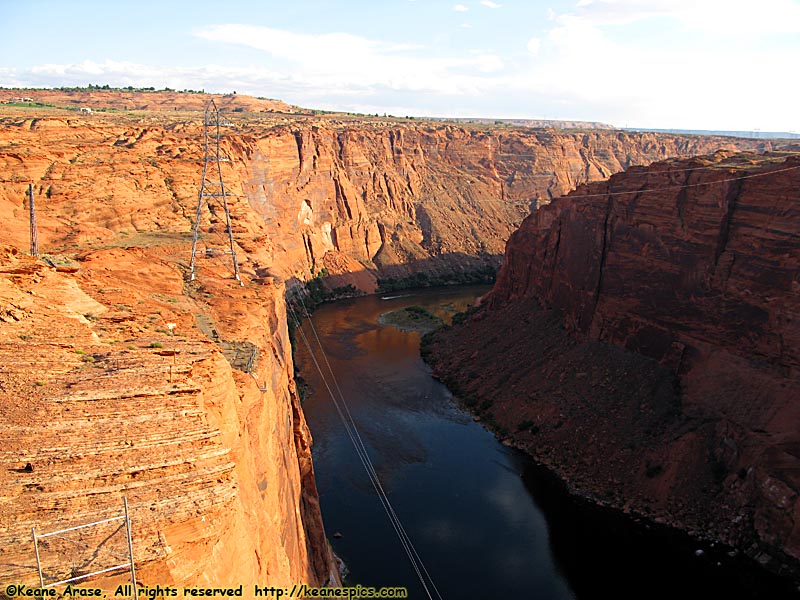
(377, 198)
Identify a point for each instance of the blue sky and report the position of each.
(703, 64)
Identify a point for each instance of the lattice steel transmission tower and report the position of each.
(34, 233)
(212, 186)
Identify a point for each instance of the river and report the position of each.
(486, 521)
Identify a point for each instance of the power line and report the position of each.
(639, 191)
(364, 449)
(527, 203)
(34, 230)
(358, 444)
(366, 462)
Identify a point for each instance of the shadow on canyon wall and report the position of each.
(455, 268)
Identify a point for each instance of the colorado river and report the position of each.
(484, 519)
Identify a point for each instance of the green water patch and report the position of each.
(411, 318)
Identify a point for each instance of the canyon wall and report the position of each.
(643, 339)
(358, 200)
(115, 383)
(390, 199)
(121, 377)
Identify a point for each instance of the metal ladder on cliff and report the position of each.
(212, 186)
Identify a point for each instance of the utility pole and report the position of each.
(34, 235)
(212, 186)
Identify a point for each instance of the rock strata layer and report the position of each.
(354, 199)
(111, 388)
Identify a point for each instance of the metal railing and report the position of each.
(129, 564)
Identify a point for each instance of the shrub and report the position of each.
(462, 317)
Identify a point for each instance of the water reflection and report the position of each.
(458, 493)
(486, 521)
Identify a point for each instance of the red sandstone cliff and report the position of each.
(692, 267)
(114, 381)
(119, 378)
(365, 198)
(393, 198)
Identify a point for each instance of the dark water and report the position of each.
(487, 522)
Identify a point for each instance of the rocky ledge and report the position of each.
(117, 379)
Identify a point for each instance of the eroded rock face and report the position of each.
(115, 383)
(357, 199)
(400, 199)
(643, 339)
(697, 262)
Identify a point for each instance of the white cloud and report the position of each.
(491, 4)
(689, 80)
(306, 69)
(488, 63)
(460, 8)
(123, 73)
(354, 62)
(590, 63)
(720, 17)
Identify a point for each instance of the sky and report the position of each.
(689, 64)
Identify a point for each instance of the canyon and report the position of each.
(121, 377)
(352, 198)
(642, 340)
